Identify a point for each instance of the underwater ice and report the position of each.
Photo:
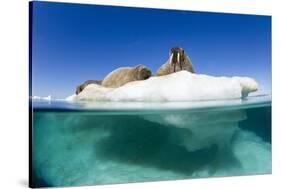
(86, 149)
(179, 86)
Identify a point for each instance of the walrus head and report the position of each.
(81, 87)
(142, 72)
(177, 58)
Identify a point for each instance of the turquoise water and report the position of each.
(108, 142)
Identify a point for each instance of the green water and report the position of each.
(102, 144)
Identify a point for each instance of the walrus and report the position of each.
(123, 75)
(119, 77)
(177, 61)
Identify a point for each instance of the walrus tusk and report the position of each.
(171, 61)
(171, 57)
(179, 60)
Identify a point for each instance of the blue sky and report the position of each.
(72, 43)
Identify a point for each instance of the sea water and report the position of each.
(91, 143)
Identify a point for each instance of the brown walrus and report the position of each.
(119, 77)
(177, 61)
(123, 75)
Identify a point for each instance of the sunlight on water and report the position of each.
(104, 143)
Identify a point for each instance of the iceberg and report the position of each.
(47, 98)
(179, 86)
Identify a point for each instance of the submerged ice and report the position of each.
(179, 86)
(84, 149)
(202, 129)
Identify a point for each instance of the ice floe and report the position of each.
(179, 86)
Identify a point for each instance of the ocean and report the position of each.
(94, 143)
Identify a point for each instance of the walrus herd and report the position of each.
(177, 61)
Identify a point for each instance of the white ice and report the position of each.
(179, 86)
